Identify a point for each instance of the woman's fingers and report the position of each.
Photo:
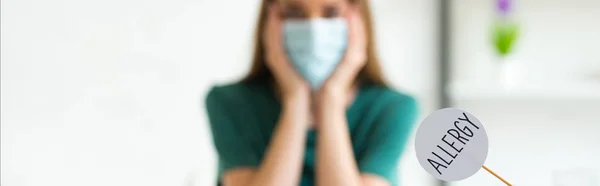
(357, 38)
(277, 60)
(273, 31)
(272, 36)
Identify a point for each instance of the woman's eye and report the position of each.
(331, 12)
(294, 13)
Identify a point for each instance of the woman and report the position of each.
(314, 109)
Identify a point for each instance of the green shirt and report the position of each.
(243, 115)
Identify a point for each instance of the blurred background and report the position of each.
(111, 92)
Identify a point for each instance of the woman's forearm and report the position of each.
(336, 165)
(282, 163)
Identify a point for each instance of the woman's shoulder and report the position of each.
(387, 95)
(234, 92)
(380, 99)
(226, 90)
(389, 107)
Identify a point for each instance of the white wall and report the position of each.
(534, 132)
(531, 140)
(559, 39)
(110, 92)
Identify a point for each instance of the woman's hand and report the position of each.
(338, 90)
(290, 84)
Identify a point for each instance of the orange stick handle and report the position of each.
(493, 173)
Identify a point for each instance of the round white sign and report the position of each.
(451, 144)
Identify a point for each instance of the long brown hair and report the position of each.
(371, 73)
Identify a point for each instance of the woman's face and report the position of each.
(315, 35)
(308, 9)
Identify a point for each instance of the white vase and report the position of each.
(507, 73)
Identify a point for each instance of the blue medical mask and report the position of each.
(315, 47)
